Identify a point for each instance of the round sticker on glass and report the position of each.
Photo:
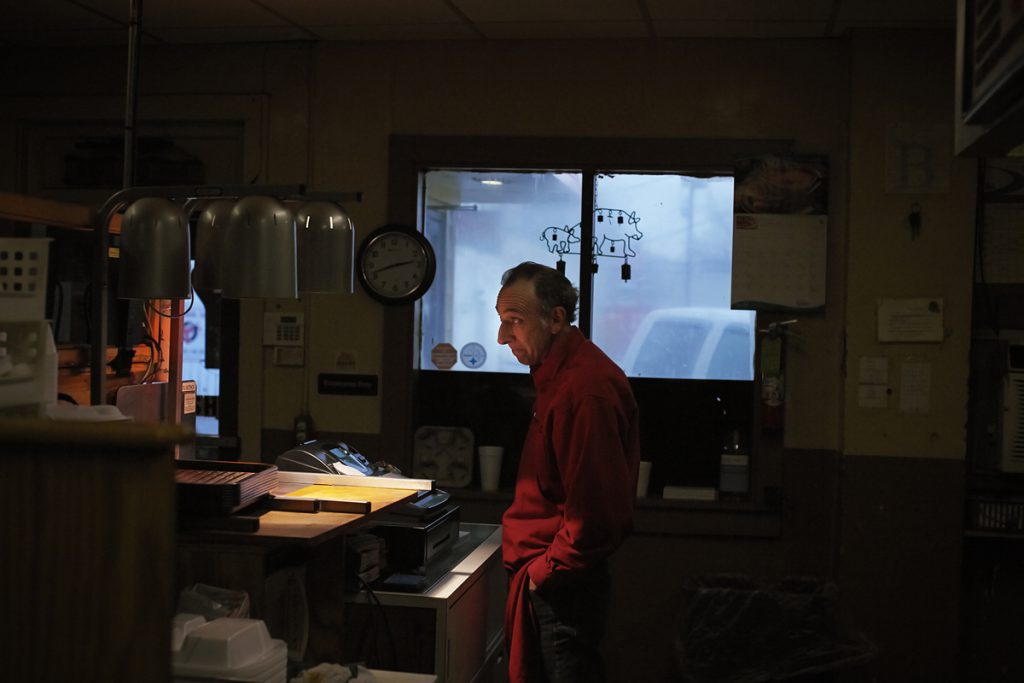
(473, 355)
(443, 356)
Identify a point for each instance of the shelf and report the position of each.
(28, 209)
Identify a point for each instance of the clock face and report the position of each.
(396, 264)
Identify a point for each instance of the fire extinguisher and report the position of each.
(773, 375)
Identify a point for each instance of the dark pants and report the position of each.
(571, 621)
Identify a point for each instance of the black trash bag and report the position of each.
(733, 630)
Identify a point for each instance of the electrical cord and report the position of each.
(191, 301)
(374, 600)
(156, 354)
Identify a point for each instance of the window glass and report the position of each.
(481, 224)
(670, 346)
(665, 315)
(668, 319)
(193, 359)
(675, 231)
(734, 353)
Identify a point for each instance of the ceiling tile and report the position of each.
(538, 12)
(45, 15)
(905, 13)
(228, 34)
(740, 29)
(395, 31)
(192, 13)
(554, 30)
(102, 22)
(366, 12)
(64, 38)
(730, 11)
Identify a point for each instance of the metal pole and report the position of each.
(101, 279)
(587, 263)
(131, 93)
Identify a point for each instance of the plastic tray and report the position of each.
(212, 487)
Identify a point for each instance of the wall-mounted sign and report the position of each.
(346, 385)
(910, 320)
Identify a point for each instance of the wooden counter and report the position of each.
(278, 526)
(87, 559)
(288, 549)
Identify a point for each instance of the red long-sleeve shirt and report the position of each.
(577, 476)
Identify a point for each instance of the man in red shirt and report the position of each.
(576, 484)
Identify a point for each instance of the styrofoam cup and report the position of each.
(490, 467)
(644, 478)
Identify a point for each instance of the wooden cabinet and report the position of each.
(87, 559)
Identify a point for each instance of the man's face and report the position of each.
(527, 333)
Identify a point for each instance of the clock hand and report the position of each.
(394, 265)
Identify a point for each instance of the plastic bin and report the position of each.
(734, 630)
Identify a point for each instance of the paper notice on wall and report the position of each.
(188, 396)
(873, 370)
(915, 387)
(910, 320)
(873, 382)
(778, 261)
(872, 396)
(916, 158)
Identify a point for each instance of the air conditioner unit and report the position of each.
(1012, 428)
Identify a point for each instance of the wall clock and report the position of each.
(396, 264)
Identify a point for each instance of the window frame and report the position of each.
(410, 156)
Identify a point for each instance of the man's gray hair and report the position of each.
(552, 288)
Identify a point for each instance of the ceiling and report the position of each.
(105, 22)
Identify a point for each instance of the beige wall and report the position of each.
(790, 90)
(325, 112)
(906, 81)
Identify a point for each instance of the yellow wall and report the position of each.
(900, 80)
(704, 89)
(322, 114)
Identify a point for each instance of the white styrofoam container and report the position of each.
(231, 648)
(28, 366)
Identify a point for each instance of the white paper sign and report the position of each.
(915, 387)
(778, 261)
(910, 320)
(872, 396)
(874, 370)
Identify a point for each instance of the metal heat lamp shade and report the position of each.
(258, 259)
(326, 248)
(211, 229)
(154, 251)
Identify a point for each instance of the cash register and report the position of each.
(416, 533)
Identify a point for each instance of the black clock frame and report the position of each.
(423, 243)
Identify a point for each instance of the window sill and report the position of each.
(669, 517)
